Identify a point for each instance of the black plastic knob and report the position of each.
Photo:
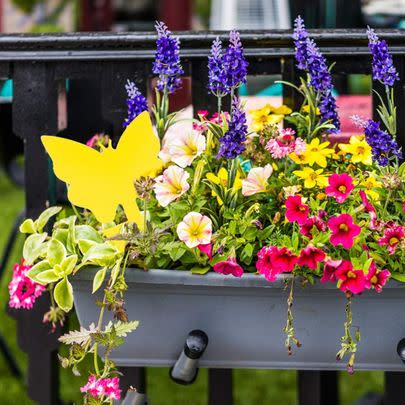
(401, 349)
(196, 343)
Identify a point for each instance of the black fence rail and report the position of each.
(75, 83)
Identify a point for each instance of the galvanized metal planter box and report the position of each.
(244, 319)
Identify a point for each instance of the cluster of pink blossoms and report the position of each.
(284, 144)
(23, 291)
(204, 117)
(103, 388)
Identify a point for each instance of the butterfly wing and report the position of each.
(83, 169)
(139, 147)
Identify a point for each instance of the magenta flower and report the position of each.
(369, 208)
(340, 187)
(103, 388)
(296, 211)
(23, 291)
(392, 236)
(207, 249)
(273, 261)
(344, 230)
(229, 266)
(329, 270)
(376, 278)
(310, 257)
(307, 226)
(350, 280)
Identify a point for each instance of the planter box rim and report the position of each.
(211, 279)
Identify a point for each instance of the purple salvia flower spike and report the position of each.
(167, 60)
(136, 102)
(232, 144)
(300, 37)
(216, 73)
(383, 66)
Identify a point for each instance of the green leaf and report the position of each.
(69, 264)
(102, 254)
(218, 259)
(61, 235)
(38, 268)
(48, 276)
(121, 328)
(88, 233)
(177, 253)
(28, 226)
(32, 247)
(398, 276)
(115, 271)
(85, 245)
(71, 239)
(98, 279)
(200, 270)
(247, 253)
(56, 252)
(79, 337)
(45, 216)
(63, 295)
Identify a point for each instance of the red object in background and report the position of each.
(176, 14)
(96, 15)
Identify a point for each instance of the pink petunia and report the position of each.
(23, 291)
(310, 257)
(340, 187)
(344, 230)
(329, 270)
(229, 266)
(296, 211)
(307, 226)
(350, 279)
(207, 249)
(369, 208)
(376, 278)
(273, 261)
(393, 234)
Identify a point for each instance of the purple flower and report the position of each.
(216, 73)
(234, 62)
(167, 60)
(300, 37)
(136, 102)
(328, 109)
(232, 143)
(383, 68)
(382, 144)
(321, 79)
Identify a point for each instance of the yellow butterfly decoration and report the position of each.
(100, 181)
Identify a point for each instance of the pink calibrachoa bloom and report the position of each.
(310, 257)
(171, 185)
(102, 388)
(23, 291)
(296, 211)
(273, 261)
(340, 187)
(369, 208)
(307, 226)
(207, 249)
(344, 230)
(284, 144)
(256, 181)
(329, 270)
(392, 236)
(195, 229)
(229, 266)
(349, 279)
(376, 278)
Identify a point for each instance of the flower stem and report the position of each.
(99, 325)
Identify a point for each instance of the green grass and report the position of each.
(251, 387)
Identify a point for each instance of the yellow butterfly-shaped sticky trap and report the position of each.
(100, 181)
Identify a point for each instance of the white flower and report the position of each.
(171, 185)
(195, 229)
(185, 148)
(256, 181)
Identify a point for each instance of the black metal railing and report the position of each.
(97, 67)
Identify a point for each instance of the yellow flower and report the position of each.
(222, 178)
(321, 196)
(359, 150)
(300, 159)
(268, 115)
(317, 152)
(195, 229)
(312, 177)
(281, 110)
(370, 184)
(306, 109)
